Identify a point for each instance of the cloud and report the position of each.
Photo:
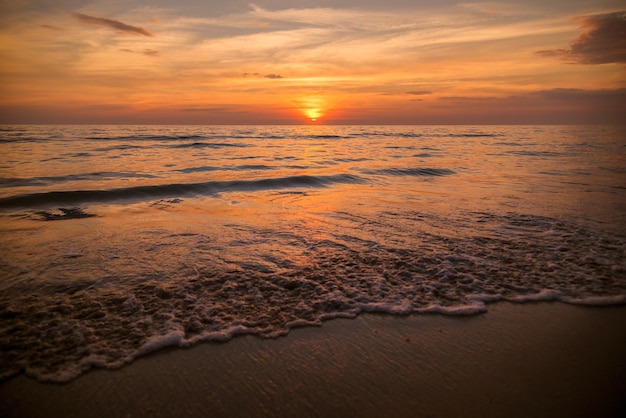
(419, 92)
(52, 27)
(561, 95)
(206, 109)
(603, 41)
(568, 95)
(272, 76)
(607, 105)
(114, 24)
(148, 52)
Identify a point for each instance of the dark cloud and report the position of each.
(551, 53)
(148, 52)
(559, 105)
(602, 42)
(614, 96)
(272, 76)
(205, 109)
(419, 92)
(52, 27)
(569, 96)
(114, 24)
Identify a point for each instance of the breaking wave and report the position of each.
(143, 193)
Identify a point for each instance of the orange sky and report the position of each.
(289, 61)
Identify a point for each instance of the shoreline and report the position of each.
(540, 359)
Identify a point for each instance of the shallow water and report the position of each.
(116, 241)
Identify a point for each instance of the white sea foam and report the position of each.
(597, 300)
(543, 295)
(157, 342)
(471, 309)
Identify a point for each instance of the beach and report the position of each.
(516, 360)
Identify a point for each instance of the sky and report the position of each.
(305, 62)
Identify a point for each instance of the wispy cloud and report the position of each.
(52, 27)
(148, 52)
(603, 41)
(206, 109)
(438, 59)
(113, 24)
(272, 76)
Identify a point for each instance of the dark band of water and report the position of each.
(173, 190)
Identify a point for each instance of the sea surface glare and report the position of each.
(116, 241)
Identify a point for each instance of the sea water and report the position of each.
(116, 241)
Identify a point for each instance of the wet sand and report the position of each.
(517, 360)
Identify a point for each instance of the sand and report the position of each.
(517, 360)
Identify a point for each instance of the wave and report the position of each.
(47, 180)
(208, 168)
(209, 145)
(201, 169)
(535, 153)
(416, 172)
(77, 197)
(474, 135)
(219, 137)
(230, 136)
(508, 144)
(325, 136)
(122, 147)
(145, 137)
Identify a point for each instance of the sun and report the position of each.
(313, 113)
(313, 107)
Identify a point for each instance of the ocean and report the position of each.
(116, 241)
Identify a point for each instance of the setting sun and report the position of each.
(313, 107)
(313, 114)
